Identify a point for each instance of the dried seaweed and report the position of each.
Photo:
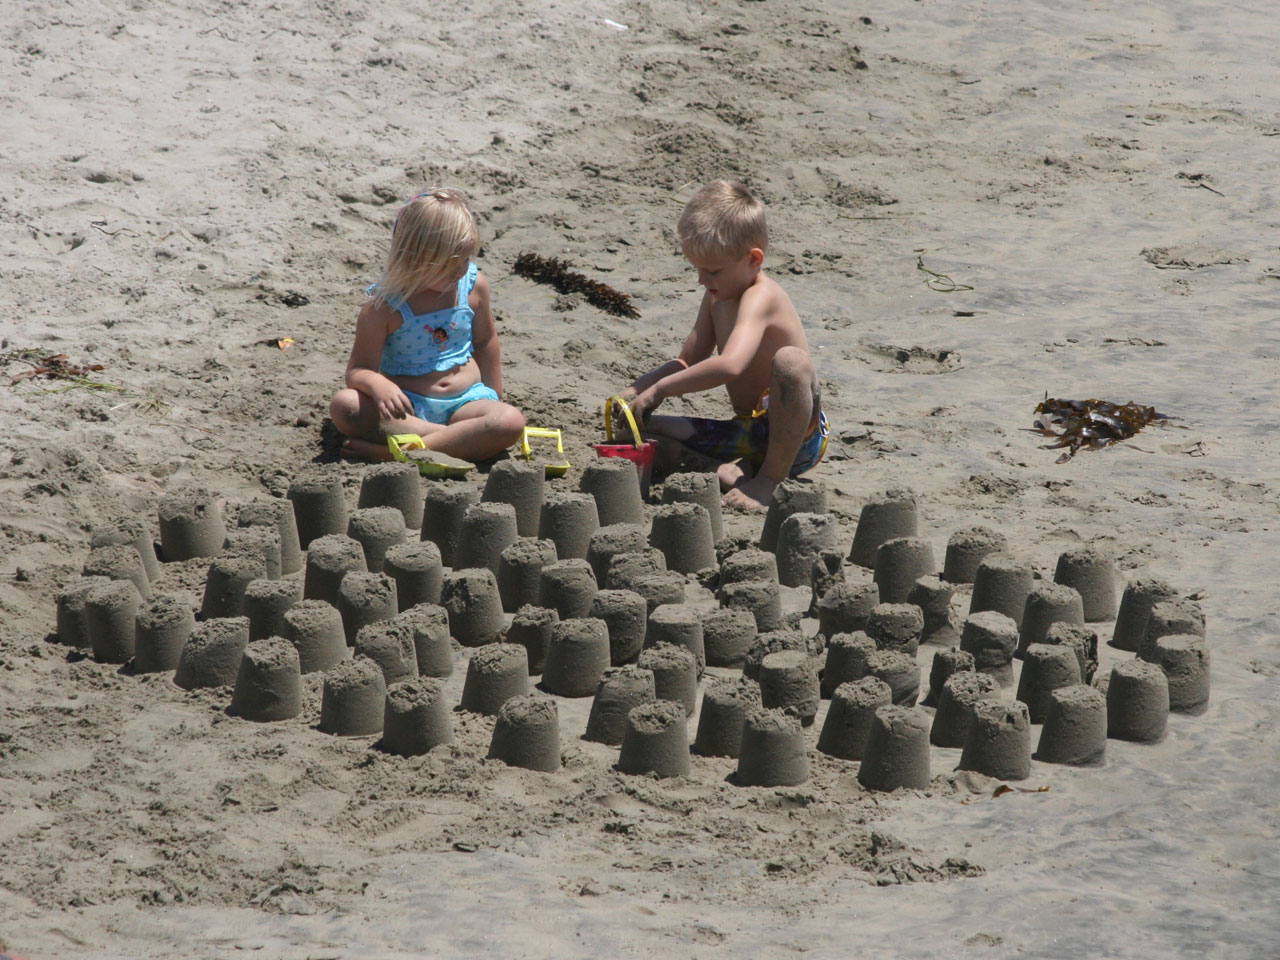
(55, 366)
(1091, 424)
(557, 273)
(938, 282)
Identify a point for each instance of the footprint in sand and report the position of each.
(889, 358)
(1189, 257)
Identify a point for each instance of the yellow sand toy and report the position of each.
(557, 469)
(409, 448)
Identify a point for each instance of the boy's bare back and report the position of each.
(764, 316)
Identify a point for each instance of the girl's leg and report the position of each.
(478, 430)
(356, 417)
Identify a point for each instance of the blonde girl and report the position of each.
(426, 358)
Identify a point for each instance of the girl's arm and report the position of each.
(363, 373)
(484, 337)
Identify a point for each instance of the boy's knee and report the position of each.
(793, 363)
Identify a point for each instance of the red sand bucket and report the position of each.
(641, 452)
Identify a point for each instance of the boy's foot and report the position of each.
(753, 494)
(733, 473)
(353, 448)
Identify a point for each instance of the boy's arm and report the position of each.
(697, 346)
(484, 337)
(643, 383)
(363, 373)
(712, 371)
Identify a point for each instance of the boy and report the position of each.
(760, 356)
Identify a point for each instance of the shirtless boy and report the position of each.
(747, 338)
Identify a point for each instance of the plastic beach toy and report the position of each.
(641, 452)
(558, 469)
(409, 448)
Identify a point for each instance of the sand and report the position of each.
(183, 184)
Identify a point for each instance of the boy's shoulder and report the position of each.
(765, 294)
(765, 281)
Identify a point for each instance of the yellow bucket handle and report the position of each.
(631, 420)
(540, 432)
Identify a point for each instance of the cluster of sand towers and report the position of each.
(577, 591)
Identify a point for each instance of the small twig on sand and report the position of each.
(1210, 189)
(101, 227)
(149, 405)
(1199, 180)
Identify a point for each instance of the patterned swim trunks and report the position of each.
(747, 438)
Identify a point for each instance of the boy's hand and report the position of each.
(392, 402)
(644, 404)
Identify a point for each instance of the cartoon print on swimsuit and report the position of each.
(436, 340)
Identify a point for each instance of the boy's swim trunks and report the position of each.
(440, 409)
(747, 438)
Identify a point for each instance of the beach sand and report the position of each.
(183, 184)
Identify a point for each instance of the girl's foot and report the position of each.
(354, 448)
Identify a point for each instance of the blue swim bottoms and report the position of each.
(441, 409)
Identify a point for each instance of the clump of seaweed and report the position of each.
(1091, 424)
(55, 366)
(557, 273)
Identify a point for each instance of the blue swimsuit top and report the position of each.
(429, 342)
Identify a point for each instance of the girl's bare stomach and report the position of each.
(441, 383)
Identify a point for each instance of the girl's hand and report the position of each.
(392, 402)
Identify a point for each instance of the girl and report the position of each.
(426, 358)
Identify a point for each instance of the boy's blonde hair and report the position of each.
(434, 232)
(722, 220)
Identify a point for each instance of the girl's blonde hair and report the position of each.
(722, 220)
(434, 234)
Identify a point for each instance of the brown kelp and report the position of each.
(54, 366)
(557, 273)
(1091, 424)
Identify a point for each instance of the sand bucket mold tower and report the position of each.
(641, 452)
